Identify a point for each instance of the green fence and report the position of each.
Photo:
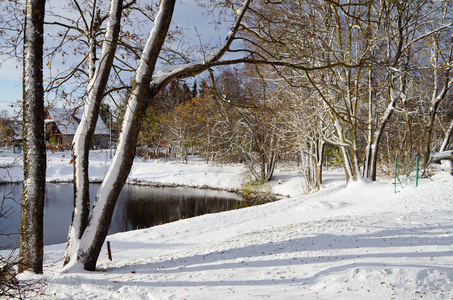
(408, 171)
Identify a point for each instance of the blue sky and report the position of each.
(11, 90)
(10, 84)
(187, 14)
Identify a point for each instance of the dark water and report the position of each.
(137, 207)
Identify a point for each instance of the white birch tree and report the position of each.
(146, 84)
(82, 139)
(447, 137)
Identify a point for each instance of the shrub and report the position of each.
(256, 192)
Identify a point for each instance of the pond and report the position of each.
(137, 207)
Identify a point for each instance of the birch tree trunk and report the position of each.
(99, 221)
(313, 158)
(447, 137)
(380, 128)
(145, 87)
(429, 129)
(378, 134)
(319, 160)
(31, 223)
(85, 130)
(344, 146)
(366, 169)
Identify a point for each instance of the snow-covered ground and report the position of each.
(196, 173)
(362, 241)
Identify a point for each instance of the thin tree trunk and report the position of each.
(437, 98)
(432, 118)
(378, 134)
(447, 137)
(99, 222)
(320, 158)
(250, 164)
(32, 208)
(429, 131)
(144, 88)
(354, 159)
(85, 130)
(270, 168)
(104, 204)
(344, 151)
(366, 170)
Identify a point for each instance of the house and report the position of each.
(61, 125)
(15, 136)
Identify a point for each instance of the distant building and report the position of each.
(14, 137)
(61, 125)
(17, 131)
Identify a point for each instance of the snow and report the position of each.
(361, 241)
(195, 174)
(94, 86)
(68, 120)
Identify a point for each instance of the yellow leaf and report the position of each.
(48, 63)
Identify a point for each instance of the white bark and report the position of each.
(145, 86)
(437, 96)
(447, 138)
(85, 130)
(380, 130)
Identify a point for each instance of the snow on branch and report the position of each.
(187, 70)
(213, 59)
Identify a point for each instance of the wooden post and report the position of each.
(416, 172)
(396, 170)
(109, 251)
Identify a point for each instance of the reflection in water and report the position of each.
(168, 205)
(137, 207)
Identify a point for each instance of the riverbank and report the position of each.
(361, 241)
(196, 173)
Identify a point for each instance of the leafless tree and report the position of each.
(146, 85)
(32, 207)
(358, 55)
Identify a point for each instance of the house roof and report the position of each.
(17, 128)
(68, 120)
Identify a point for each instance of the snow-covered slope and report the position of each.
(357, 242)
